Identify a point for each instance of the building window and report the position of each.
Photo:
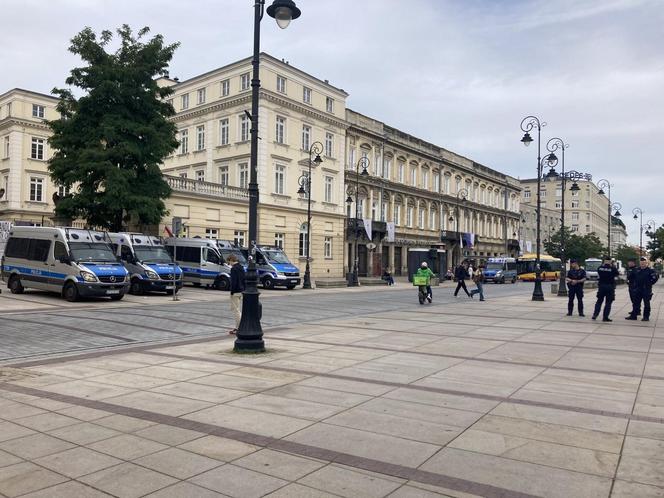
(387, 168)
(436, 182)
(184, 101)
(244, 128)
(559, 192)
(223, 175)
(37, 150)
(457, 184)
(184, 141)
(239, 238)
(306, 95)
(526, 194)
(329, 145)
(245, 81)
(5, 146)
(425, 180)
(383, 211)
(575, 204)
(200, 137)
(327, 248)
(279, 178)
(329, 189)
(211, 233)
(63, 191)
(306, 137)
(413, 176)
(36, 189)
(200, 96)
(575, 228)
(200, 175)
(280, 129)
(558, 204)
(303, 246)
(37, 111)
(329, 104)
(587, 228)
(243, 175)
(225, 88)
(397, 215)
(224, 131)
(409, 216)
(432, 219)
(279, 240)
(575, 216)
(281, 84)
(420, 219)
(447, 184)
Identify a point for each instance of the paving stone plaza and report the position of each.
(362, 392)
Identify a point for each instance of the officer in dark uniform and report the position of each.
(606, 289)
(645, 279)
(632, 270)
(575, 278)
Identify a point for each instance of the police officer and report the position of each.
(575, 278)
(632, 270)
(645, 279)
(606, 289)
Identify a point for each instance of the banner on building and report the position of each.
(367, 227)
(468, 240)
(390, 231)
(529, 246)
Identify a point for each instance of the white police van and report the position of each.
(500, 270)
(71, 261)
(274, 268)
(150, 266)
(201, 261)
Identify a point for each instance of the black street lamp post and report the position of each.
(461, 195)
(528, 124)
(364, 163)
(638, 212)
(552, 146)
(305, 189)
(605, 185)
(249, 336)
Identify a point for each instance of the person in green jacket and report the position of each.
(425, 271)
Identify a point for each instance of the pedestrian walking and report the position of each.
(478, 278)
(645, 278)
(632, 270)
(237, 287)
(606, 289)
(575, 278)
(461, 274)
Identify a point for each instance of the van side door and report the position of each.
(40, 268)
(59, 266)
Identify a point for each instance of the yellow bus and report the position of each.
(550, 266)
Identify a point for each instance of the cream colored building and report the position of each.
(27, 191)
(618, 234)
(526, 233)
(413, 184)
(209, 173)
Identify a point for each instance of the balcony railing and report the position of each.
(179, 184)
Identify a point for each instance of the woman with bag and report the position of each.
(478, 278)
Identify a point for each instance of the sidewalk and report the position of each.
(508, 399)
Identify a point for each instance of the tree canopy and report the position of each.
(655, 245)
(576, 246)
(625, 253)
(109, 142)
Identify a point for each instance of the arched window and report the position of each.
(304, 242)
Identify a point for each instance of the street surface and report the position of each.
(363, 392)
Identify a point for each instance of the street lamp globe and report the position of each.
(283, 11)
(527, 139)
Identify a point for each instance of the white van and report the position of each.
(71, 261)
(150, 266)
(201, 261)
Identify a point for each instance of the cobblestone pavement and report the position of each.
(375, 396)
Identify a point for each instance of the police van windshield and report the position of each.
(494, 266)
(593, 265)
(92, 251)
(238, 254)
(152, 254)
(275, 256)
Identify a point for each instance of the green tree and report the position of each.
(625, 253)
(110, 141)
(655, 245)
(576, 246)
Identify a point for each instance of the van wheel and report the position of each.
(117, 298)
(15, 285)
(290, 287)
(222, 284)
(268, 282)
(136, 288)
(70, 292)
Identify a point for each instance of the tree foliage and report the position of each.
(655, 245)
(625, 253)
(110, 141)
(576, 246)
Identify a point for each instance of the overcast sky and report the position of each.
(459, 73)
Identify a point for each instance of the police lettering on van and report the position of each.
(150, 266)
(73, 262)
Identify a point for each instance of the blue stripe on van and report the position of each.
(199, 271)
(23, 270)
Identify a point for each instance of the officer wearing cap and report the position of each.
(644, 280)
(606, 289)
(632, 270)
(575, 278)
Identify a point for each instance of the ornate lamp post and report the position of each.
(461, 196)
(249, 336)
(305, 189)
(638, 212)
(552, 146)
(527, 125)
(605, 185)
(364, 163)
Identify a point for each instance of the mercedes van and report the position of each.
(70, 261)
(274, 268)
(201, 261)
(150, 266)
(500, 270)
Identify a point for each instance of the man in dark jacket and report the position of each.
(645, 278)
(237, 287)
(632, 270)
(575, 278)
(606, 289)
(461, 274)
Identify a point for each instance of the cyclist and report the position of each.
(425, 271)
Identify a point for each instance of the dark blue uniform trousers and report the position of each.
(608, 293)
(575, 291)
